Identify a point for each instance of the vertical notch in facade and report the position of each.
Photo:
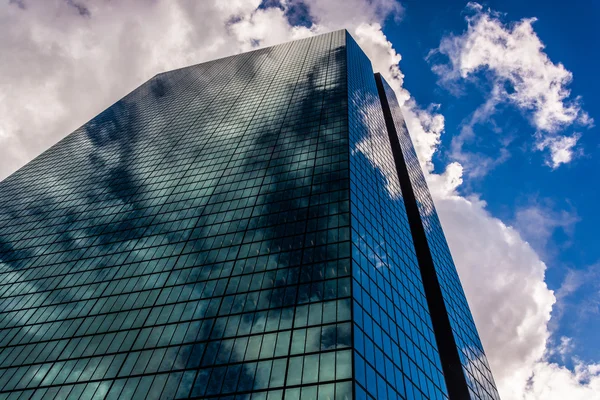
(451, 365)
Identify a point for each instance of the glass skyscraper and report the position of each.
(254, 227)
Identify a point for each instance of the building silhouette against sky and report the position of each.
(254, 227)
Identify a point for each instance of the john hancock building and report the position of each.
(254, 227)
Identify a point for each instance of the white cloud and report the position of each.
(63, 67)
(552, 381)
(512, 58)
(372, 40)
(561, 149)
(426, 127)
(503, 279)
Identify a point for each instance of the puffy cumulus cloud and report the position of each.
(426, 127)
(553, 381)
(444, 185)
(384, 58)
(515, 55)
(512, 57)
(68, 60)
(503, 278)
(267, 27)
(504, 281)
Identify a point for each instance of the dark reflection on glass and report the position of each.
(191, 240)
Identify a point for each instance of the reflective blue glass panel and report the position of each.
(461, 334)
(395, 350)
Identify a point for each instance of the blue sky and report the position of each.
(523, 181)
(514, 183)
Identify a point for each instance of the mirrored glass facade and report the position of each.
(464, 362)
(395, 351)
(230, 230)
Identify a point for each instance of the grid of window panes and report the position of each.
(475, 366)
(192, 240)
(396, 354)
